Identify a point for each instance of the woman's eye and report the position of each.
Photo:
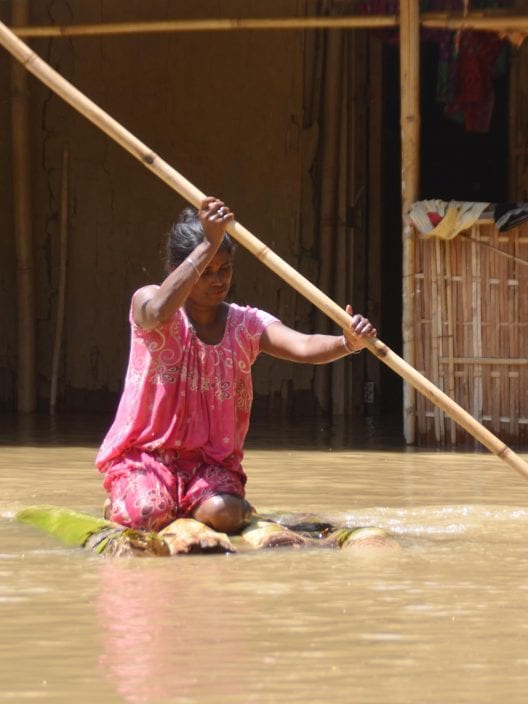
(223, 270)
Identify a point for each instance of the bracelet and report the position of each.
(345, 345)
(193, 265)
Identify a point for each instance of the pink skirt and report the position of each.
(149, 490)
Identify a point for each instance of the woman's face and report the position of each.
(213, 285)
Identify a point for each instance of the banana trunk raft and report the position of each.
(186, 535)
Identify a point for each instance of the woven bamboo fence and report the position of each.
(471, 331)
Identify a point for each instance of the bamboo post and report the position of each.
(518, 137)
(210, 24)
(410, 163)
(476, 327)
(513, 99)
(436, 331)
(187, 190)
(375, 194)
(450, 331)
(61, 299)
(476, 21)
(26, 377)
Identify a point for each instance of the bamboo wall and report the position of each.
(471, 331)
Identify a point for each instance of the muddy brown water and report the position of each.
(445, 620)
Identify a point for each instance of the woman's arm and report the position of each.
(155, 305)
(283, 342)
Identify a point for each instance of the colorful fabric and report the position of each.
(184, 395)
(438, 218)
(149, 490)
(468, 91)
(468, 61)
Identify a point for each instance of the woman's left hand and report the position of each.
(360, 328)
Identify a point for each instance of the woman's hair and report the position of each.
(185, 235)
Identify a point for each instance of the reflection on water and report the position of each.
(442, 621)
(185, 638)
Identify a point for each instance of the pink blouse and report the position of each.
(183, 394)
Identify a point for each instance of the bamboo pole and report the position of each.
(509, 361)
(61, 299)
(26, 376)
(496, 23)
(208, 25)
(450, 332)
(513, 257)
(410, 164)
(436, 334)
(476, 317)
(490, 23)
(187, 190)
(375, 194)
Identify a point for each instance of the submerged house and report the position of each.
(378, 147)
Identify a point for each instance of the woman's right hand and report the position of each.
(214, 216)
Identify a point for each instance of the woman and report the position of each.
(176, 445)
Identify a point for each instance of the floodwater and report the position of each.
(445, 620)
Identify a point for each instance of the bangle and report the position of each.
(193, 265)
(345, 345)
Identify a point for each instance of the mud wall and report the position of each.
(226, 110)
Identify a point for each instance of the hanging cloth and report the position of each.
(510, 215)
(438, 218)
(468, 61)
